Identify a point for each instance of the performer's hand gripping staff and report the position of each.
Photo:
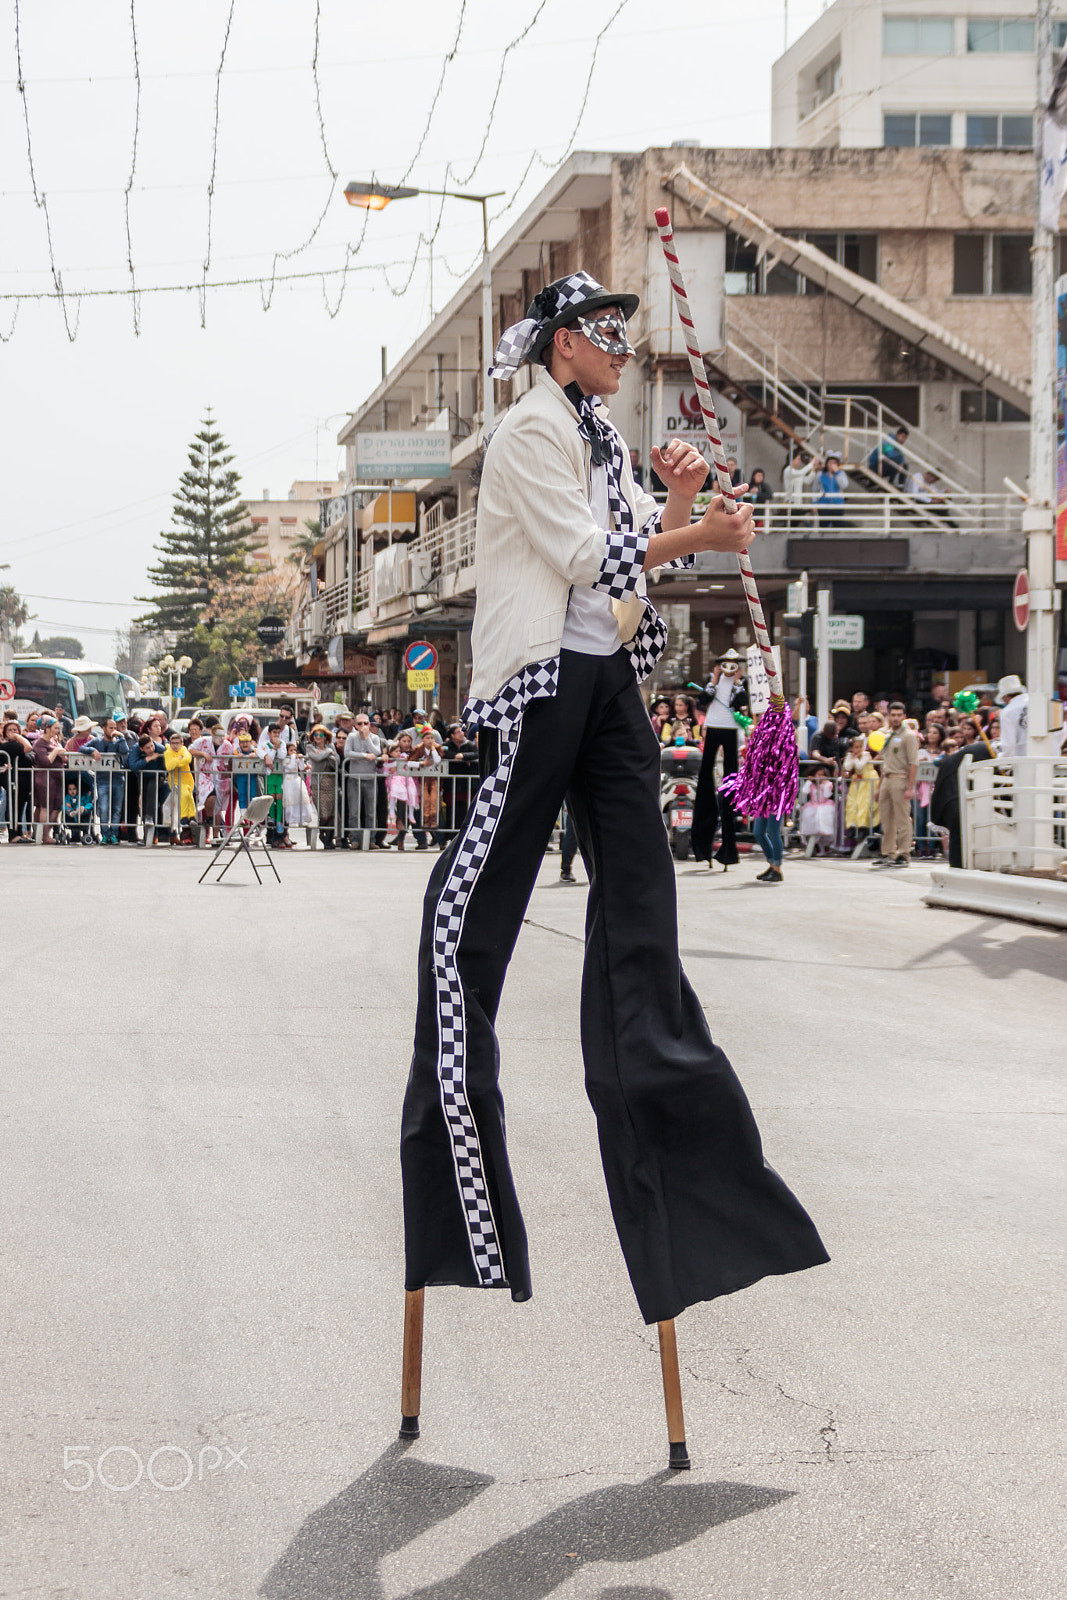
(767, 783)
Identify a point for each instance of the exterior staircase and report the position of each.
(780, 394)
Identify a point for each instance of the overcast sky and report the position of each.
(96, 429)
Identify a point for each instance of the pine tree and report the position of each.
(204, 550)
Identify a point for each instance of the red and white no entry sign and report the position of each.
(7, 689)
(1020, 601)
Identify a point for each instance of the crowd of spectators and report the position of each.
(844, 789)
(868, 764)
(372, 776)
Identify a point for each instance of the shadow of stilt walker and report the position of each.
(338, 1553)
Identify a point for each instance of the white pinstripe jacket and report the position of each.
(535, 538)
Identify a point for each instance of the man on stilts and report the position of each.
(727, 699)
(563, 632)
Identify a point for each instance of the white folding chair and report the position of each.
(244, 837)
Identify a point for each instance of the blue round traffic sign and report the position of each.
(420, 656)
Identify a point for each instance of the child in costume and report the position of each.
(817, 812)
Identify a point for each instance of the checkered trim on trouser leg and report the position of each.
(471, 852)
(538, 681)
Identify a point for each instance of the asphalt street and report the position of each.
(202, 1255)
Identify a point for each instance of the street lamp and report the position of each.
(167, 664)
(373, 196)
(183, 664)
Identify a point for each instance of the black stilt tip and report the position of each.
(409, 1429)
(679, 1461)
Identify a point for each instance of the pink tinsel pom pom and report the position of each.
(769, 778)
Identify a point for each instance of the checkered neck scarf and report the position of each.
(606, 450)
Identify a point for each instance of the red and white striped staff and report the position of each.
(718, 455)
(767, 783)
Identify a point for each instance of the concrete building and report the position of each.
(279, 522)
(957, 74)
(839, 294)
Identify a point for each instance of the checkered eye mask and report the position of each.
(607, 332)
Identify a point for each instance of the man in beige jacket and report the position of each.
(563, 631)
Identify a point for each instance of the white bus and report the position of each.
(81, 688)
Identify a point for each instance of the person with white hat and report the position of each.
(712, 811)
(563, 632)
(1013, 696)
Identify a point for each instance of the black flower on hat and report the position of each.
(546, 301)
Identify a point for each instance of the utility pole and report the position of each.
(1039, 517)
(822, 658)
(488, 346)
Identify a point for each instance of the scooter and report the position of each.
(679, 766)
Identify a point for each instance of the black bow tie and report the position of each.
(590, 425)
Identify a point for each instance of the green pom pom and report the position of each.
(965, 700)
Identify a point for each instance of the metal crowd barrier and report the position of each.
(9, 819)
(857, 839)
(340, 805)
(1013, 813)
(360, 808)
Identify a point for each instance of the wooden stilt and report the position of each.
(672, 1396)
(411, 1382)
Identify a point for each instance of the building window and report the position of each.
(978, 405)
(997, 263)
(1059, 35)
(927, 129)
(747, 274)
(827, 82)
(917, 36)
(1011, 267)
(990, 131)
(856, 251)
(994, 35)
(742, 266)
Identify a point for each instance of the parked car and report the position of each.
(264, 715)
(327, 712)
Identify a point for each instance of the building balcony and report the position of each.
(400, 581)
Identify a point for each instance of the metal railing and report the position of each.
(1013, 813)
(787, 382)
(838, 814)
(880, 515)
(795, 391)
(449, 545)
(336, 804)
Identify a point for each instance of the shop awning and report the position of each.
(379, 517)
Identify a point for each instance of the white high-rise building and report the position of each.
(909, 73)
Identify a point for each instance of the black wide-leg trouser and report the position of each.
(698, 1212)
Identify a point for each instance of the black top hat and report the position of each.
(569, 298)
(555, 306)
